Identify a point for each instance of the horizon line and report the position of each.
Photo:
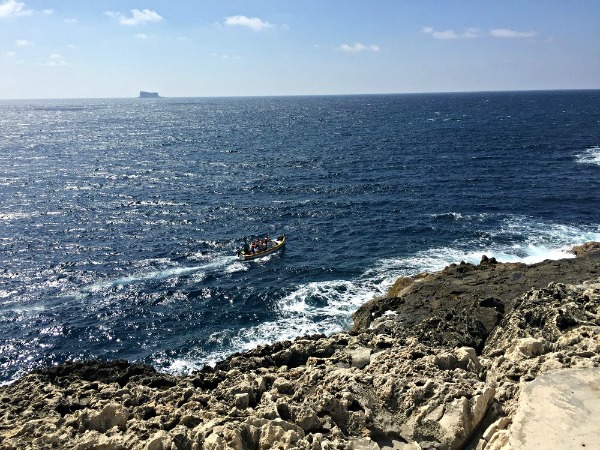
(163, 97)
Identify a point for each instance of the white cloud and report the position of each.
(225, 56)
(476, 32)
(448, 34)
(469, 33)
(143, 16)
(253, 23)
(141, 36)
(137, 17)
(48, 12)
(11, 54)
(358, 47)
(507, 33)
(23, 42)
(70, 21)
(55, 59)
(13, 8)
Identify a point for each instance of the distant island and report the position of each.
(144, 94)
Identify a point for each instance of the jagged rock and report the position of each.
(485, 260)
(485, 291)
(159, 441)
(532, 341)
(111, 415)
(497, 426)
(242, 401)
(588, 247)
(279, 434)
(442, 363)
(360, 357)
(462, 416)
(527, 348)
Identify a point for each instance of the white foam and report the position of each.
(326, 306)
(533, 254)
(541, 241)
(224, 263)
(17, 216)
(589, 156)
(313, 308)
(237, 267)
(5, 293)
(26, 310)
(182, 366)
(457, 216)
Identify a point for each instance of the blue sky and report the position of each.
(180, 48)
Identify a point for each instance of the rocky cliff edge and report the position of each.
(462, 358)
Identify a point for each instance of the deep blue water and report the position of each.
(119, 219)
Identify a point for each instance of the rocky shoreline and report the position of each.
(447, 360)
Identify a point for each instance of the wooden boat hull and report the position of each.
(279, 243)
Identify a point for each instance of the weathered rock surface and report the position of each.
(440, 363)
(559, 409)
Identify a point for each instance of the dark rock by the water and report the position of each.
(443, 362)
(144, 94)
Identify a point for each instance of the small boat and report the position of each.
(271, 246)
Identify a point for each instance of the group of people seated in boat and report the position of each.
(256, 245)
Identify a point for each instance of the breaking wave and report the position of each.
(589, 156)
(326, 306)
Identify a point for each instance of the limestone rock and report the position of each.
(111, 415)
(447, 362)
(159, 441)
(568, 400)
(588, 247)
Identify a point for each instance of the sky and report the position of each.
(208, 48)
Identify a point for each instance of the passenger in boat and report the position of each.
(246, 246)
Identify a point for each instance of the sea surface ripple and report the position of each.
(119, 219)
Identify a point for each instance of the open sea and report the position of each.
(120, 219)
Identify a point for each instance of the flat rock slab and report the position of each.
(559, 410)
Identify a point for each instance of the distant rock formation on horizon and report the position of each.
(144, 94)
